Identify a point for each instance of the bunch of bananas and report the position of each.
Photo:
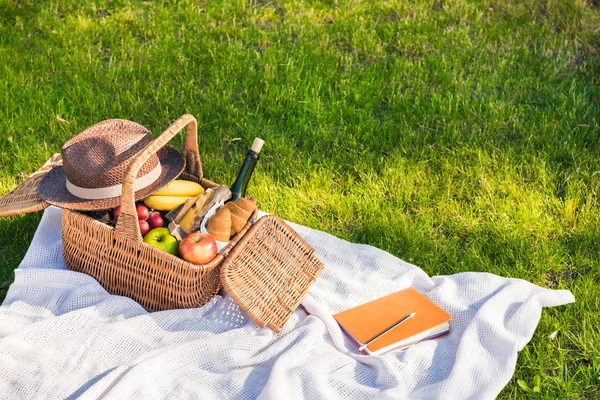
(175, 193)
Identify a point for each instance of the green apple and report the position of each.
(162, 238)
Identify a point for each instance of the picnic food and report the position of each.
(144, 227)
(155, 220)
(161, 238)
(198, 248)
(221, 193)
(187, 222)
(174, 194)
(241, 210)
(227, 221)
(238, 188)
(142, 211)
(219, 225)
(116, 212)
(126, 265)
(165, 203)
(180, 187)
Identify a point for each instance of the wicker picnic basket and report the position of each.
(266, 268)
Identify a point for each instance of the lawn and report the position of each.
(457, 135)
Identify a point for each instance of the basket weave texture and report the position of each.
(270, 256)
(25, 198)
(155, 279)
(123, 263)
(98, 157)
(266, 268)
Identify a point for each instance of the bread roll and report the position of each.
(241, 210)
(219, 225)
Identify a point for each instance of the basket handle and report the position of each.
(127, 223)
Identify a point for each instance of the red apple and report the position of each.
(198, 248)
(142, 212)
(144, 227)
(116, 212)
(155, 220)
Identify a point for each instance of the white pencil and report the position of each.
(386, 330)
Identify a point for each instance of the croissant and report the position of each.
(241, 210)
(219, 225)
(248, 204)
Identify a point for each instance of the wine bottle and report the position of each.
(238, 189)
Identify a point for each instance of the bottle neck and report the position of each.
(238, 189)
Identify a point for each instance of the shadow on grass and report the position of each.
(17, 233)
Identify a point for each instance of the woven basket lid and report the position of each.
(25, 198)
(268, 272)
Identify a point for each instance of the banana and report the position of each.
(180, 187)
(187, 222)
(165, 203)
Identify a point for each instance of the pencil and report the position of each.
(386, 330)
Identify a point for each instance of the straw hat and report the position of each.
(95, 161)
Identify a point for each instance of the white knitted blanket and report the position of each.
(63, 336)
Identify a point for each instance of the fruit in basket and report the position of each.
(180, 187)
(144, 227)
(165, 203)
(198, 248)
(174, 194)
(116, 212)
(142, 211)
(155, 220)
(161, 238)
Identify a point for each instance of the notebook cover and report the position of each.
(367, 320)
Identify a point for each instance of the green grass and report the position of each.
(457, 135)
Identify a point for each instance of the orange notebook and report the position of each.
(366, 321)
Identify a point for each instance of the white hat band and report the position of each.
(115, 190)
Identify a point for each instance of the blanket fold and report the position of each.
(63, 336)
